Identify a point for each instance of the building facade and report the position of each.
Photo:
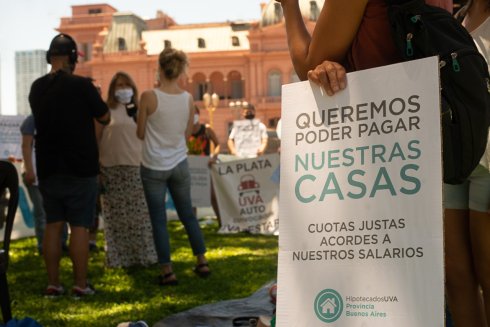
(29, 65)
(243, 61)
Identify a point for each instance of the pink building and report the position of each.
(239, 61)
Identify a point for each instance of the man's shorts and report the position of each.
(473, 194)
(69, 198)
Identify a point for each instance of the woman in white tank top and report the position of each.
(165, 121)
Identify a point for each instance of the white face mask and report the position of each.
(196, 119)
(124, 95)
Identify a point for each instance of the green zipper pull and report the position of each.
(415, 18)
(409, 45)
(456, 66)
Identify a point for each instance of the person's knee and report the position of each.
(458, 274)
(55, 227)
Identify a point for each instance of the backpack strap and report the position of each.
(460, 15)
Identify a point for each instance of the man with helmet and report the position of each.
(64, 107)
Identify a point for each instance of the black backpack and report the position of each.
(420, 31)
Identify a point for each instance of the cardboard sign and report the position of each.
(247, 195)
(247, 136)
(10, 137)
(361, 236)
(200, 181)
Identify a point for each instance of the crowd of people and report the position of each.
(120, 156)
(356, 35)
(140, 146)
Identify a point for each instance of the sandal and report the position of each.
(202, 273)
(166, 280)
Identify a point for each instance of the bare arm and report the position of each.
(263, 145)
(190, 120)
(148, 105)
(333, 34)
(27, 142)
(231, 146)
(99, 129)
(216, 146)
(104, 119)
(214, 138)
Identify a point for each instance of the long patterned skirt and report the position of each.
(127, 226)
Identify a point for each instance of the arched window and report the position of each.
(167, 44)
(236, 85)
(200, 85)
(274, 83)
(235, 41)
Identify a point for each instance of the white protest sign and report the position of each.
(247, 195)
(247, 136)
(200, 181)
(361, 237)
(10, 137)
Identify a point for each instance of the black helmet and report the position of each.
(63, 45)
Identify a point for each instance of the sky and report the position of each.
(30, 25)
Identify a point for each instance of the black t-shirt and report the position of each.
(64, 107)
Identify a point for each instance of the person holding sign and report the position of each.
(165, 121)
(248, 137)
(349, 36)
(467, 221)
(204, 142)
(355, 33)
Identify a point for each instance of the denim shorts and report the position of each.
(473, 194)
(69, 198)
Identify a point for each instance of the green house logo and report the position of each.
(328, 305)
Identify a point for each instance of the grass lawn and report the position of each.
(241, 264)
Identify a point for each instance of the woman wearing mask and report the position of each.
(128, 232)
(165, 121)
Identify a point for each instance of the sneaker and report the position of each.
(81, 292)
(140, 323)
(54, 291)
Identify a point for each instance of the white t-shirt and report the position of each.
(247, 135)
(481, 35)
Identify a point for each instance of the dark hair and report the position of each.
(63, 45)
(172, 63)
(111, 98)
